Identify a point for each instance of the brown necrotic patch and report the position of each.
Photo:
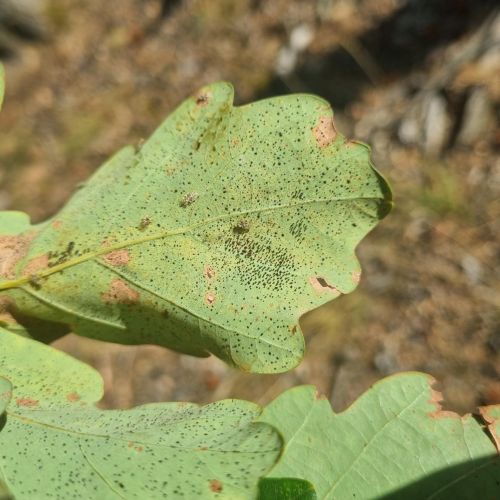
(325, 132)
(436, 400)
(320, 285)
(117, 257)
(120, 293)
(215, 486)
(209, 272)
(210, 298)
(203, 98)
(12, 250)
(27, 402)
(491, 424)
(36, 264)
(73, 397)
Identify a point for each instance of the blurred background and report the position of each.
(417, 79)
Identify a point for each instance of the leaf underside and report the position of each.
(393, 442)
(214, 237)
(55, 443)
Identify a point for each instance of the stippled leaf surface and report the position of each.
(213, 237)
(55, 443)
(393, 442)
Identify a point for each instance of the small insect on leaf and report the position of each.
(35, 282)
(188, 199)
(243, 226)
(145, 222)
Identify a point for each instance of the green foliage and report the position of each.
(56, 442)
(214, 237)
(271, 488)
(394, 435)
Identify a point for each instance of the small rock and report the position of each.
(286, 61)
(385, 361)
(478, 117)
(437, 124)
(472, 268)
(409, 131)
(300, 37)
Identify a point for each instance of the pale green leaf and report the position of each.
(13, 222)
(214, 237)
(282, 488)
(56, 444)
(393, 442)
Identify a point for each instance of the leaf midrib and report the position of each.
(182, 230)
(56, 428)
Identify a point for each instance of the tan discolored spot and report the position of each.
(203, 98)
(12, 250)
(356, 276)
(73, 397)
(491, 424)
(318, 396)
(36, 264)
(120, 293)
(209, 272)
(292, 329)
(321, 286)
(210, 298)
(139, 448)
(325, 132)
(117, 257)
(215, 486)
(56, 224)
(27, 402)
(436, 399)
